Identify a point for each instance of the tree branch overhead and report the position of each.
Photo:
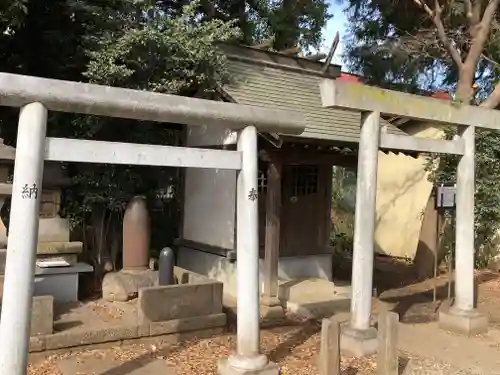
(436, 15)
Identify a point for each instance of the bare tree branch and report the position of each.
(476, 12)
(480, 34)
(424, 6)
(490, 60)
(493, 100)
(469, 13)
(435, 15)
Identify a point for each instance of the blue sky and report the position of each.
(337, 23)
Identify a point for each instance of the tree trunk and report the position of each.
(465, 92)
(99, 252)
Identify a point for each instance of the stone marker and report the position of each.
(329, 357)
(124, 285)
(136, 235)
(166, 264)
(387, 356)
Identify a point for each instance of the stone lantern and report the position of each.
(57, 266)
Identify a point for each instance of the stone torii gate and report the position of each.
(359, 337)
(36, 96)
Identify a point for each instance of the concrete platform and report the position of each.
(224, 368)
(315, 298)
(358, 343)
(468, 323)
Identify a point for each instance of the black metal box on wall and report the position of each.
(446, 196)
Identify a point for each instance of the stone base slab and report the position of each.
(59, 247)
(123, 286)
(47, 261)
(42, 316)
(359, 343)
(271, 308)
(469, 323)
(224, 368)
(59, 282)
(178, 328)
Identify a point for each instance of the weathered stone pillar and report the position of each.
(136, 235)
(462, 317)
(272, 305)
(359, 338)
(247, 358)
(21, 251)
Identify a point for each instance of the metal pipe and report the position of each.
(23, 237)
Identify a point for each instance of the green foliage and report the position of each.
(154, 53)
(342, 215)
(287, 23)
(164, 55)
(443, 168)
(12, 13)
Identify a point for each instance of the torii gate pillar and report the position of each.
(462, 317)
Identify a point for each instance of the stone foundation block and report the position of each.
(124, 285)
(467, 323)
(42, 315)
(271, 308)
(224, 368)
(359, 343)
(54, 229)
(56, 248)
(163, 303)
(37, 344)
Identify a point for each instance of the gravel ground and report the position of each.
(427, 366)
(294, 348)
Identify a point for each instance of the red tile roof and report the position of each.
(348, 77)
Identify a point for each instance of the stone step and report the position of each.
(45, 260)
(51, 250)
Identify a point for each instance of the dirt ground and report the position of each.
(295, 348)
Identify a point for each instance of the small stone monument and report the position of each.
(57, 266)
(136, 235)
(57, 272)
(125, 284)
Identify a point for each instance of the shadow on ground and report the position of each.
(300, 336)
(137, 363)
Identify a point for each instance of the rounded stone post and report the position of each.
(136, 235)
(23, 235)
(166, 263)
(463, 317)
(359, 338)
(247, 359)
